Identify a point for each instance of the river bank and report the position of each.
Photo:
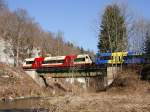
(93, 102)
(126, 94)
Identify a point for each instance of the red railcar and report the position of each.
(57, 61)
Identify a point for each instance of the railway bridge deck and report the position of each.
(102, 75)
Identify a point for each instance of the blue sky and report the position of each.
(76, 18)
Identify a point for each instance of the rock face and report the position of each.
(14, 82)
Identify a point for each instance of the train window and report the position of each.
(125, 58)
(148, 60)
(29, 62)
(53, 61)
(59, 61)
(128, 57)
(106, 57)
(44, 62)
(138, 56)
(79, 59)
(91, 58)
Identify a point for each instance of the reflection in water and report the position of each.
(24, 110)
(30, 103)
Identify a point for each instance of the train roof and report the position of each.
(63, 57)
(134, 53)
(82, 55)
(104, 54)
(55, 58)
(119, 53)
(29, 59)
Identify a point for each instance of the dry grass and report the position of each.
(128, 81)
(14, 82)
(127, 94)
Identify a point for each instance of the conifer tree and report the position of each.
(147, 43)
(112, 34)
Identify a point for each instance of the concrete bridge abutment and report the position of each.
(40, 80)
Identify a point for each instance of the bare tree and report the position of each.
(22, 35)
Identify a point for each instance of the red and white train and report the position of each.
(57, 61)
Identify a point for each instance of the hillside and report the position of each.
(14, 83)
(24, 37)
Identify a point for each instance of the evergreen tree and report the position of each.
(112, 34)
(147, 43)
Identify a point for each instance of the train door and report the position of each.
(37, 62)
(69, 60)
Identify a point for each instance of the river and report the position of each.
(25, 105)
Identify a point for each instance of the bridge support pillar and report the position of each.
(111, 74)
(39, 80)
(98, 82)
